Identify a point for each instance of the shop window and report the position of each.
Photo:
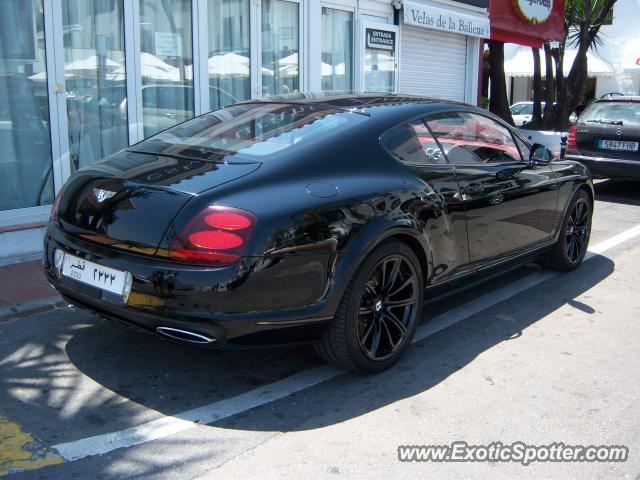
(337, 49)
(469, 138)
(25, 165)
(280, 47)
(229, 52)
(166, 60)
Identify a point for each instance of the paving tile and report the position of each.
(21, 290)
(25, 269)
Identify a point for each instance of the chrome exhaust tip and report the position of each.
(185, 335)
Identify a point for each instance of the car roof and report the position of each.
(620, 98)
(363, 102)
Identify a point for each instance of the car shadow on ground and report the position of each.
(618, 191)
(171, 378)
(147, 373)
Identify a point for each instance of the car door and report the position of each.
(510, 205)
(432, 197)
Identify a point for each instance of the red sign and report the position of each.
(527, 22)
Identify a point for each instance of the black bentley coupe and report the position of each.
(311, 218)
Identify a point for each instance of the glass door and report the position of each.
(26, 160)
(378, 57)
(95, 79)
(280, 70)
(166, 63)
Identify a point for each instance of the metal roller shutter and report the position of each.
(432, 63)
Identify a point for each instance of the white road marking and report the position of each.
(614, 241)
(166, 426)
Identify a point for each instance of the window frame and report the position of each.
(402, 124)
(499, 122)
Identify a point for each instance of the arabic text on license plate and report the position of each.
(93, 274)
(618, 145)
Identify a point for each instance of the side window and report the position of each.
(413, 143)
(472, 138)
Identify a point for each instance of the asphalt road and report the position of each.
(532, 356)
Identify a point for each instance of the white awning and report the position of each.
(521, 64)
(631, 56)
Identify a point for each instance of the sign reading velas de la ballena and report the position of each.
(534, 11)
(380, 39)
(426, 16)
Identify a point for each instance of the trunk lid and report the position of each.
(129, 200)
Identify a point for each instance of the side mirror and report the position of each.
(540, 155)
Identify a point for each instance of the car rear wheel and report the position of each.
(378, 314)
(569, 251)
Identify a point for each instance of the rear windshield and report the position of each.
(626, 112)
(253, 130)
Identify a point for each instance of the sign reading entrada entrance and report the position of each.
(534, 11)
(436, 18)
(380, 39)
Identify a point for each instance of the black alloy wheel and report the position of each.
(577, 231)
(379, 311)
(570, 249)
(388, 306)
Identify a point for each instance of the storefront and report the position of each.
(82, 79)
(440, 48)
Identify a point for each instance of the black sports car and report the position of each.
(606, 138)
(311, 218)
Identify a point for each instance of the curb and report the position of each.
(30, 307)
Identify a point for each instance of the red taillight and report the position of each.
(227, 221)
(56, 206)
(571, 139)
(217, 236)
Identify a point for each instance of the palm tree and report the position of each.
(498, 101)
(582, 22)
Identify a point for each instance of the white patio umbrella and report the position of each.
(385, 62)
(288, 66)
(86, 66)
(229, 64)
(232, 64)
(521, 64)
(153, 67)
(327, 69)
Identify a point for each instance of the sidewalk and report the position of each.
(24, 290)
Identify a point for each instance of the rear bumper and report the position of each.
(603, 167)
(256, 301)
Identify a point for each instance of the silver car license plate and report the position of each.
(96, 275)
(620, 145)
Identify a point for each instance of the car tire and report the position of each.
(373, 306)
(575, 232)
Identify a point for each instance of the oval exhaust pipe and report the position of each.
(185, 335)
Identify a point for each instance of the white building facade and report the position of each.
(82, 79)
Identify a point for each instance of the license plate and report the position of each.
(618, 145)
(94, 274)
